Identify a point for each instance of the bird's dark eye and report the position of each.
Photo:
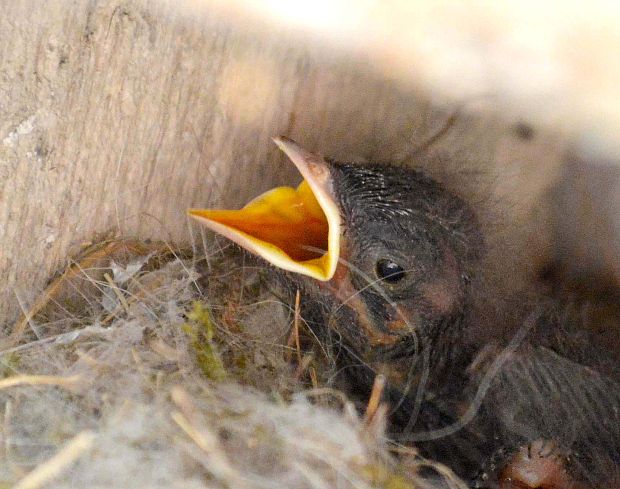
(389, 271)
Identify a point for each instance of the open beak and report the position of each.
(296, 229)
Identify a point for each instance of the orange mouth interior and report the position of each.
(296, 229)
(284, 225)
(286, 218)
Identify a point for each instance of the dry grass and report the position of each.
(143, 366)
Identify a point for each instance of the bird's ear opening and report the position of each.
(296, 229)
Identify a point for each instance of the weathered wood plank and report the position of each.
(115, 116)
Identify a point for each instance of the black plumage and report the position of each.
(507, 391)
(548, 388)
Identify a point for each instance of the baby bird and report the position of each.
(387, 262)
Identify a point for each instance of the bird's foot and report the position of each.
(539, 464)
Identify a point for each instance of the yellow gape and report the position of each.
(295, 229)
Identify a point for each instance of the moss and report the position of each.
(381, 477)
(201, 332)
(9, 364)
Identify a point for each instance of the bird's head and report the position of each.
(383, 253)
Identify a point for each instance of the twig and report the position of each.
(293, 339)
(54, 289)
(39, 380)
(117, 291)
(313, 378)
(160, 347)
(327, 391)
(50, 469)
(93, 256)
(375, 398)
(197, 437)
(217, 461)
(303, 365)
(296, 325)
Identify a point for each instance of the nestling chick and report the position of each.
(387, 260)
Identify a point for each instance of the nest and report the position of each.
(144, 366)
